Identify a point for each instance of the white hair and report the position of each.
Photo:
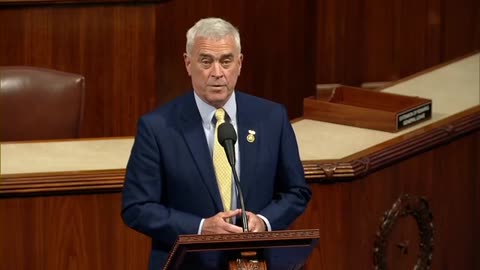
(212, 28)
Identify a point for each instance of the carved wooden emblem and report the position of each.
(406, 205)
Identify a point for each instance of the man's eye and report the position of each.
(205, 62)
(226, 62)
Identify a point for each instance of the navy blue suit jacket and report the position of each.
(170, 182)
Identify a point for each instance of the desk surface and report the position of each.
(61, 156)
(453, 88)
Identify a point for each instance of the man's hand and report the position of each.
(219, 223)
(255, 224)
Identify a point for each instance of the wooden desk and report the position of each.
(60, 201)
(357, 175)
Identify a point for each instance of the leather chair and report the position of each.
(40, 104)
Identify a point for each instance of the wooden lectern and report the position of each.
(277, 250)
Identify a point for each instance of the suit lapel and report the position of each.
(192, 129)
(247, 123)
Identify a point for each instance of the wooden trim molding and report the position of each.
(61, 183)
(244, 237)
(71, 2)
(237, 242)
(410, 144)
(348, 169)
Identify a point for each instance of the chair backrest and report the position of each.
(39, 103)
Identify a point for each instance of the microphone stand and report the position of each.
(242, 204)
(247, 259)
(227, 138)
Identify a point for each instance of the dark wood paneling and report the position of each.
(461, 22)
(73, 2)
(349, 214)
(131, 54)
(112, 46)
(376, 40)
(69, 233)
(339, 28)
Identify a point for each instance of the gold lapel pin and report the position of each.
(251, 136)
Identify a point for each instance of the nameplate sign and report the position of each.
(414, 115)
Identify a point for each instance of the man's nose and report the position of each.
(217, 71)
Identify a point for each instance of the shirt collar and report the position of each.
(207, 111)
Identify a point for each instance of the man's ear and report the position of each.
(240, 59)
(188, 63)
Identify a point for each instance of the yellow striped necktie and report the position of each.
(223, 171)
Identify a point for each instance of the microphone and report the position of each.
(227, 138)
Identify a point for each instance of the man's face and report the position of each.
(214, 66)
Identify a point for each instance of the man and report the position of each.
(171, 185)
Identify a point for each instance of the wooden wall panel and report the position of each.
(461, 22)
(375, 40)
(131, 54)
(112, 46)
(349, 214)
(338, 29)
(69, 233)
